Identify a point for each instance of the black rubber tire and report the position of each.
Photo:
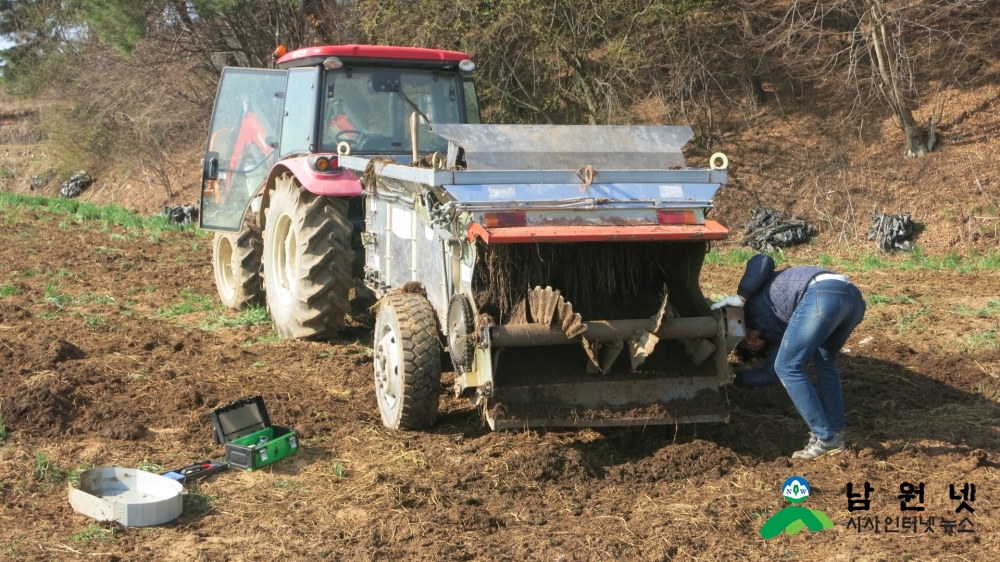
(236, 268)
(408, 389)
(307, 261)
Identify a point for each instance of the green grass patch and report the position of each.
(908, 322)
(14, 550)
(734, 256)
(878, 300)
(91, 298)
(991, 308)
(94, 533)
(989, 262)
(9, 291)
(63, 272)
(49, 472)
(149, 466)
(865, 260)
(191, 303)
(56, 297)
(197, 503)
(93, 321)
(273, 337)
(3, 430)
(739, 256)
(79, 211)
(988, 339)
(253, 316)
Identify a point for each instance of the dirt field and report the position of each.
(113, 349)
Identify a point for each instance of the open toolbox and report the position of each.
(251, 441)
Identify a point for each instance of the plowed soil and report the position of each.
(100, 366)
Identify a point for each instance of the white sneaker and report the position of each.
(818, 448)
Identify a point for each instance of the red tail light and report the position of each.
(676, 217)
(325, 164)
(496, 220)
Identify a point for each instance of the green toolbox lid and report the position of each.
(238, 418)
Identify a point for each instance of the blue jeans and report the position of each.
(824, 318)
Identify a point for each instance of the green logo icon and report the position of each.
(794, 518)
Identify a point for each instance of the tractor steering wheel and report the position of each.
(356, 137)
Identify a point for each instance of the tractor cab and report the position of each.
(321, 102)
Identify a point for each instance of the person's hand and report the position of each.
(734, 301)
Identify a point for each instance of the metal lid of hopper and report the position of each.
(568, 147)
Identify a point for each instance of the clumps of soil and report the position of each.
(473, 516)
(42, 406)
(700, 459)
(189, 398)
(120, 427)
(61, 350)
(45, 353)
(546, 407)
(557, 464)
(10, 312)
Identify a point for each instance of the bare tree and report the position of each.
(874, 50)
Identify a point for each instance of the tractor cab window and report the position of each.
(298, 126)
(242, 139)
(471, 102)
(370, 108)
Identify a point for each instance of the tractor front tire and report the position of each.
(407, 361)
(307, 261)
(236, 265)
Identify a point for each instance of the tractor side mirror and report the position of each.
(211, 169)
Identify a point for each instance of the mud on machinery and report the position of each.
(559, 265)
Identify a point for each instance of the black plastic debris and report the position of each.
(766, 230)
(39, 180)
(892, 232)
(181, 214)
(75, 185)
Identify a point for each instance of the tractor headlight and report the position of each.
(466, 66)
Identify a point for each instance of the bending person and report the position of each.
(808, 312)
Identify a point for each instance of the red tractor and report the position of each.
(558, 265)
(283, 210)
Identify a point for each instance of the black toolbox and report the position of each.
(251, 441)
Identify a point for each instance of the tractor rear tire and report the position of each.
(307, 261)
(407, 361)
(236, 265)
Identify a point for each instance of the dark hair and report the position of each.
(748, 355)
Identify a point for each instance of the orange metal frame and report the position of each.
(711, 230)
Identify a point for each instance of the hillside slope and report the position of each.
(796, 154)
